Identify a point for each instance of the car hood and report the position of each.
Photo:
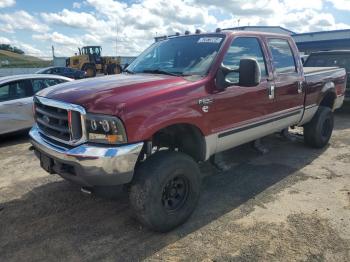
(107, 94)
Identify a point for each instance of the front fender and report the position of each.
(148, 126)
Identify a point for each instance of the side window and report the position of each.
(54, 71)
(52, 82)
(15, 90)
(62, 70)
(4, 92)
(283, 59)
(243, 47)
(38, 84)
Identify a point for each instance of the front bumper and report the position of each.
(89, 165)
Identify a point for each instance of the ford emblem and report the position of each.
(46, 119)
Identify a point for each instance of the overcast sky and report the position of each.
(35, 25)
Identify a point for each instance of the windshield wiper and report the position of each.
(129, 71)
(159, 71)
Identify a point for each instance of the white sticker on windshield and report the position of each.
(212, 40)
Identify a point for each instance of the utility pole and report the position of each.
(116, 39)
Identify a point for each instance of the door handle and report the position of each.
(271, 91)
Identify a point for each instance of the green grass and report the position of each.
(18, 60)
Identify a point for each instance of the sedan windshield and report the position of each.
(183, 56)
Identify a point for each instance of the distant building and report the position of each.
(59, 61)
(269, 29)
(323, 41)
(306, 42)
(309, 42)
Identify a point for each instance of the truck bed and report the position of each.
(315, 75)
(313, 70)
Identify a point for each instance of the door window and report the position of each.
(52, 82)
(55, 70)
(40, 84)
(283, 59)
(243, 47)
(15, 90)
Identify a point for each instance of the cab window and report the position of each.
(243, 47)
(282, 55)
(15, 90)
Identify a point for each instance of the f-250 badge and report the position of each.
(205, 102)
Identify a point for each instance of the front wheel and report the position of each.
(318, 131)
(90, 71)
(165, 190)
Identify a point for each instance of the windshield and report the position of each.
(189, 55)
(92, 50)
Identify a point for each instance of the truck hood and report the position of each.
(108, 94)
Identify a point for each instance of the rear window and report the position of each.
(329, 60)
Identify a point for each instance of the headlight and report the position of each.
(105, 129)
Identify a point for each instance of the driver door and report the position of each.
(239, 113)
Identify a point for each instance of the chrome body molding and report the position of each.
(66, 106)
(225, 140)
(338, 102)
(89, 165)
(309, 113)
(327, 86)
(211, 143)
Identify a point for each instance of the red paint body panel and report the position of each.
(146, 103)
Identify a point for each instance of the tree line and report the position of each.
(11, 49)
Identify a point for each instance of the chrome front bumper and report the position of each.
(89, 165)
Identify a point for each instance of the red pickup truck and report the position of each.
(183, 100)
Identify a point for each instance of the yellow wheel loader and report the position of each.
(90, 60)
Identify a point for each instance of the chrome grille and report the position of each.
(60, 121)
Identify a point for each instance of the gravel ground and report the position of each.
(290, 204)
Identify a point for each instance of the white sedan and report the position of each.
(16, 99)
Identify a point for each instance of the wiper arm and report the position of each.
(129, 71)
(159, 71)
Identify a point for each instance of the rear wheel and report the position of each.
(318, 131)
(165, 190)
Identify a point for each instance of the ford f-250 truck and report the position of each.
(183, 100)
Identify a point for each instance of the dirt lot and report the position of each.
(290, 204)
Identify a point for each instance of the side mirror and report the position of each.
(249, 74)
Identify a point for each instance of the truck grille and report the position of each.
(60, 121)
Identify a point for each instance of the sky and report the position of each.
(128, 27)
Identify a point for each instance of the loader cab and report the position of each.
(94, 53)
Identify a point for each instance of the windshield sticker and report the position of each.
(211, 40)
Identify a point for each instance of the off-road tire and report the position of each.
(319, 130)
(93, 70)
(149, 191)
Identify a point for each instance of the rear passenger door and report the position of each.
(288, 92)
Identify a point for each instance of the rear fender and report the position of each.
(328, 95)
